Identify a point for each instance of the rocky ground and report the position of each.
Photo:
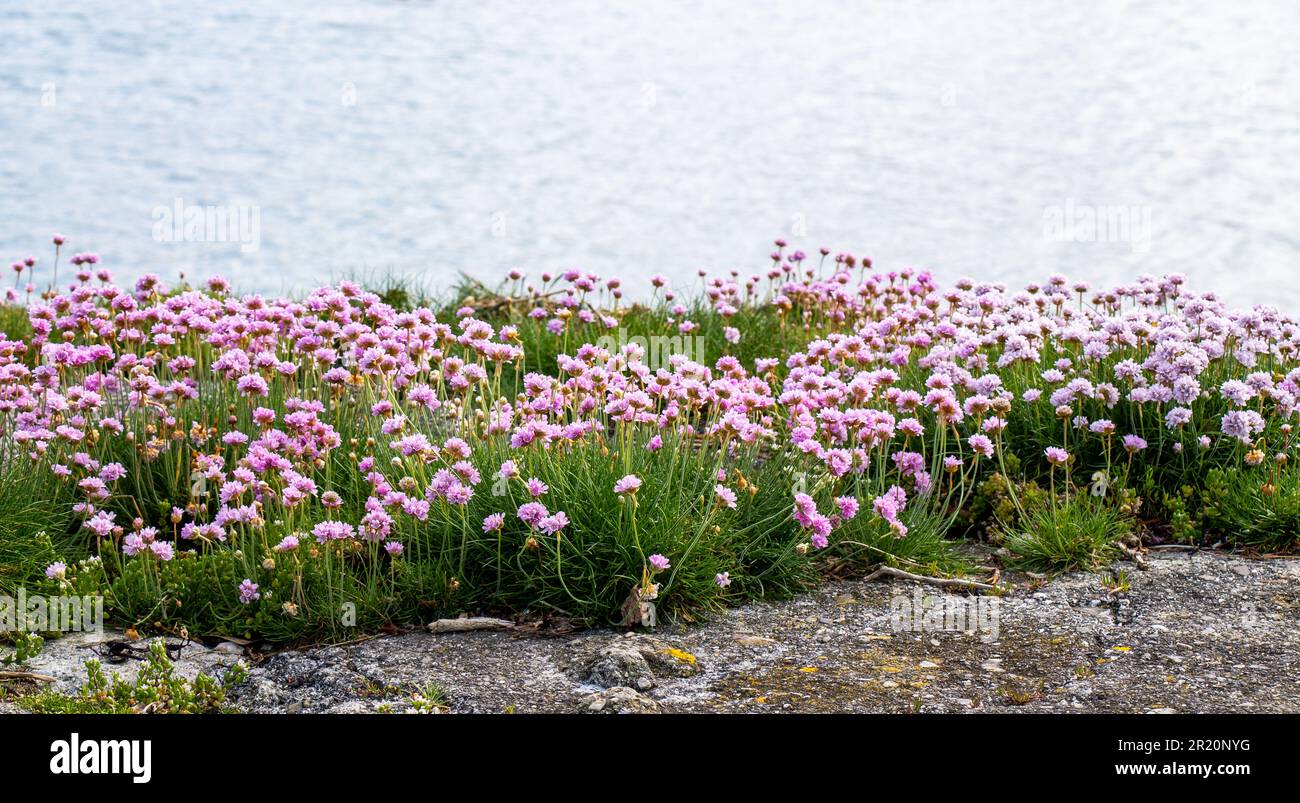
(1196, 632)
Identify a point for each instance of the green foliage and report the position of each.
(429, 699)
(26, 646)
(13, 322)
(1081, 532)
(1252, 508)
(35, 516)
(1046, 518)
(157, 689)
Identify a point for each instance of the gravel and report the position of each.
(1196, 632)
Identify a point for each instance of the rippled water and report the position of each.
(428, 138)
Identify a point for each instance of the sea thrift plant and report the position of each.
(250, 464)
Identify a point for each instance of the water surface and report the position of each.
(430, 138)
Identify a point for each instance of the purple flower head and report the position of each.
(531, 513)
(726, 497)
(1132, 443)
(627, 485)
(889, 504)
(848, 506)
(554, 523)
(1056, 455)
(333, 531)
(459, 494)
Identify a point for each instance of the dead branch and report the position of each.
(945, 582)
(15, 675)
(469, 623)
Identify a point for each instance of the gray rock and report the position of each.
(618, 700)
(621, 666)
(351, 707)
(632, 660)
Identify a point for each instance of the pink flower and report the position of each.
(889, 504)
(1056, 455)
(531, 513)
(494, 522)
(848, 506)
(413, 445)
(659, 562)
(723, 579)
(536, 487)
(627, 485)
(248, 591)
(554, 523)
(725, 495)
(133, 544)
(1101, 426)
(252, 385)
(333, 531)
(459, 494)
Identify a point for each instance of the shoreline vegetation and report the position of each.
(353, 460)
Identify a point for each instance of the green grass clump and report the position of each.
(35, 519)
(1079, 533)
(13, 322)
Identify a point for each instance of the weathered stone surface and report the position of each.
(1193, 634)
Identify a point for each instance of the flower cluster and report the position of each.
(338, 426)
